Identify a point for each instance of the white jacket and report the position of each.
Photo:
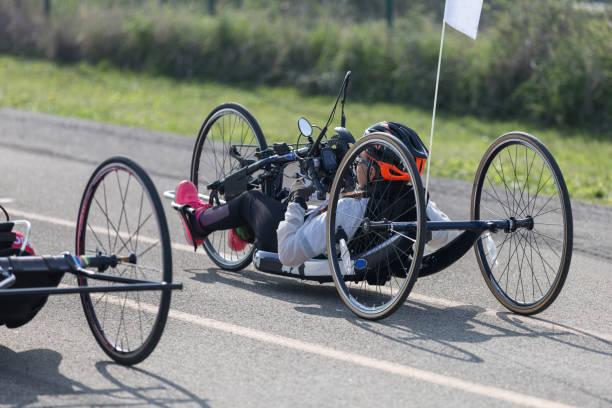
(299, 240)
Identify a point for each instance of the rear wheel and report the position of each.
(228, 131)
(518, 178)
(121, 214)
(374, 270)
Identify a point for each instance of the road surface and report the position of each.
(252, 339)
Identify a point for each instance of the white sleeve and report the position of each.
(439, 238)
(299, 241)
(291, 252)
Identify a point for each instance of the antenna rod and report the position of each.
(343, 118)
(331, 116)
(433, 116)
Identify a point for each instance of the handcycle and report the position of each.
(521, 224)
(122, 264)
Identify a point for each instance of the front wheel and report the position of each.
(375, 268)
(524, 268)
(230, 136)
(121, 214)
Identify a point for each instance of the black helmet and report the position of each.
(385, 160)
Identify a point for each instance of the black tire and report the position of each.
(230, 124)
(518, 177)
(120, 201)
(393, 258)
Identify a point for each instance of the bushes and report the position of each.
(541, 60)
(555, 65)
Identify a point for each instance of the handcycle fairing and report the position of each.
(447, 255)
(313, 269)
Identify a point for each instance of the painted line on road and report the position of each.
(72, 224)
(530, 321)
(348, 357)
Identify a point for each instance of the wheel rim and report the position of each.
(118, 216)
(384, 286)
(226, 128)
(524, 268)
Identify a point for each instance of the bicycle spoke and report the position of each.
(135, 249)
(153, 245)
(543, 260)
(123, 195)
(529, 167)
(547, 236)
(518, 205)
(105, 212)
(546, 242)
(135, 232)
(514, 205)
(520, 267)
(139, 267)
(110, 223)
(97, 238)
(547, 212)
(493, 212)
(506, 208)
(534, 278)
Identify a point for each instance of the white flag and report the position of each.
(463, 15)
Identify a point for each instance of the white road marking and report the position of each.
(352, 358)
(6, 200)
(72, 224)
(530, 321)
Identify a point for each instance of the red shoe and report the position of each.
(235, 241)
(187, 194)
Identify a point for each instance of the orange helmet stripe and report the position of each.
(392, 173)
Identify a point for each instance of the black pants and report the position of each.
(261, 214)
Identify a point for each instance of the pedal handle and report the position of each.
(185, 208)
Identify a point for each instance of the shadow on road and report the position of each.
(555, 330)
(311, 298)
(425, 323)
(416, 325)
(27, 376)
(137, 386)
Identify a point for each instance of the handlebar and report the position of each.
(308, 156)
(258, 165)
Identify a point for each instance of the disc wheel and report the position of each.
(518, 178)
(121, 214)
(374, 270)
(228, 128)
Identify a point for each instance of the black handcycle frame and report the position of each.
(68, 263)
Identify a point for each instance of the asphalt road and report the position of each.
(251, 339)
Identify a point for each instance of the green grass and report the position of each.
(124, 97)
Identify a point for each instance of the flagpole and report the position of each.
(433, 116)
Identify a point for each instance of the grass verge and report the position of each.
(123, 97)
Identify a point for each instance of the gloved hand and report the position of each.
(300, 192)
